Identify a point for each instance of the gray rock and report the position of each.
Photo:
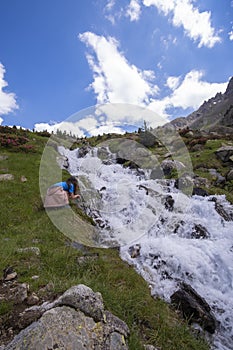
(157, 173)
(197, 191)
(23, 179)
(199, 232)
(62, 161)
(34, 250)
(200, 181)
(225, 213)
(3, 157)
(197, 148)
(11, 276)
(229, 175)
(194, 307)
(6, 177)
(169, 165)
(83, 151)
(84, 299)
(18, 293)
(33, 299)
(77, 320)
(103, 153)
(134, 251)
(150, 347)
(224, 153)
(219, 179)
(184, 184)
(169, 203)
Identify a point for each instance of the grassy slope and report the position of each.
(25, 224)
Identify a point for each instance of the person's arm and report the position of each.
(71, 193)
(74, 196)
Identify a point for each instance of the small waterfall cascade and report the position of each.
(185, 239)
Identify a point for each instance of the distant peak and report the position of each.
(229, 89)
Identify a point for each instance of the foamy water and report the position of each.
(132, 211)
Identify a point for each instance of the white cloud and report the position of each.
(231, 35)
(110, 13)
(1, 120)
(163, 6)
(134, 10)
(197, 25)
(106, 129)
(74, 128)
(115, 79)
(7, 99)
(168, 41)
(173, 82)
(191, 93)
(82, 127)
(110, 5)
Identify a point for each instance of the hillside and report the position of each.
(216, 114)
(34, 252)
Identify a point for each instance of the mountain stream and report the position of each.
(130, 209)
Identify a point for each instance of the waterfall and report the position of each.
(131, 208)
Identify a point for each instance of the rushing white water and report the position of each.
(130, 207)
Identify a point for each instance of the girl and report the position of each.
(58, 195)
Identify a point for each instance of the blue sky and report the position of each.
(59, 57)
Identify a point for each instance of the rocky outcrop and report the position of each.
(227, 120)
(76, 320)
(225, 153)
(194, 308)
(229, 90)
(212, 114)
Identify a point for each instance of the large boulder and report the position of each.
(169, 165)
(76, 320)
(225, 153)
(194, 308)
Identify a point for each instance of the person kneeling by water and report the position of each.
(58, 195)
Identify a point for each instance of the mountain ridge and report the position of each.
(216, 114)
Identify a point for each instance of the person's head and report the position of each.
(72, 180)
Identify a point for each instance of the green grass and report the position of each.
(206, 159)
(5, 307)
(24, 223)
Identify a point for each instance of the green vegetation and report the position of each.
(206, 159)
(5, 307)
(24, 223)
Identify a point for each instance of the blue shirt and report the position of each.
(65, 186)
